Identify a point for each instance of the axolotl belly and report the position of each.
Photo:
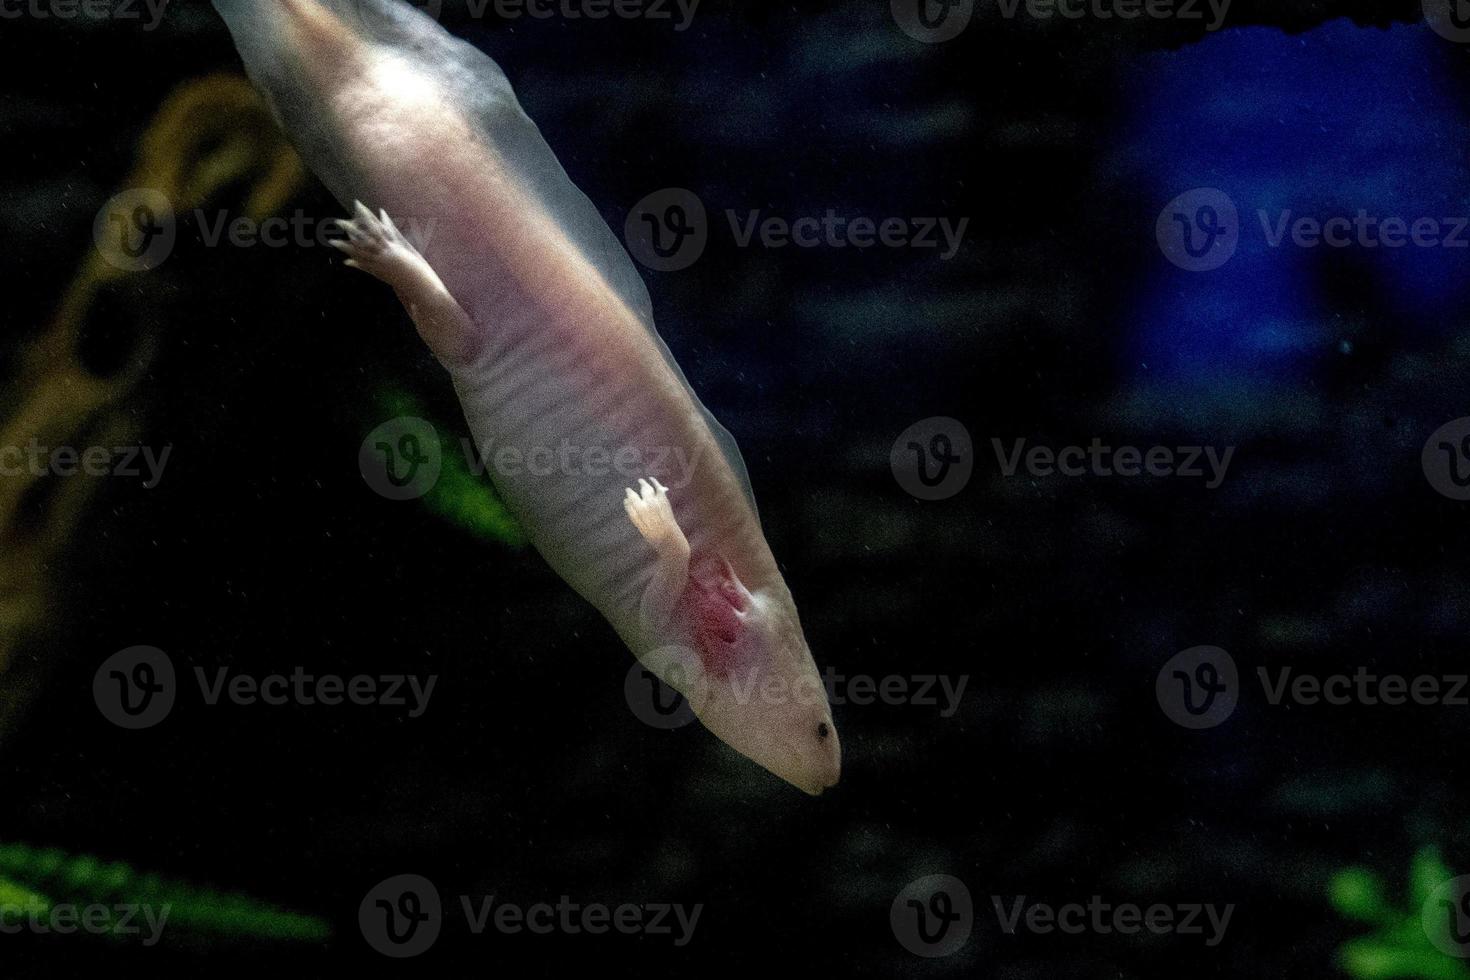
(624, 482)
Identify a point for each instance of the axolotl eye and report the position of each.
(823, 730)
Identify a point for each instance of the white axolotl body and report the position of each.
(626, 485)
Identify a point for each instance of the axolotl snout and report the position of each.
(525, 296)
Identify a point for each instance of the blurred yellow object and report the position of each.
(208, 135)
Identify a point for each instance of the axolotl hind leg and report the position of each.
(376, 246)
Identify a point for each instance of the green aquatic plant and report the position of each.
(34, 881)
(1399, 946)
(19, 900)
(460, 496)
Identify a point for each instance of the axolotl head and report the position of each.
(740, 658)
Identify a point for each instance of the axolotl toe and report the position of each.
(524, 295)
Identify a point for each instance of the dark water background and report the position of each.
(1060, 598)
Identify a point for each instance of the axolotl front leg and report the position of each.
(376, 246)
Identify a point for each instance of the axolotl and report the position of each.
(530, 303)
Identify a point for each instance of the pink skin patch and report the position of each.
(718, 609)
